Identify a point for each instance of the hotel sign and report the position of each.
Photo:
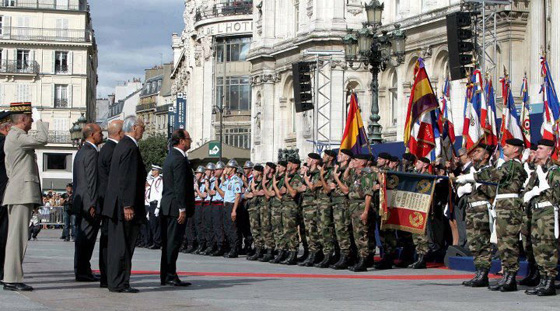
(227, 28)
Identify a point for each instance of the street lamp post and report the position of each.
(76, 131)
(378, 50)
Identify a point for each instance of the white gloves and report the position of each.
(543, 182)
(35, 114)
(531, 194)
(467, 178)
(464, 189)
(156, 212)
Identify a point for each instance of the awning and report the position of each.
(209, 152)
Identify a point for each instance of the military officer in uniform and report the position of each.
(289, 195)
(325, 224)
(276, 211)
(508, 207)
(309, 208)
(265, 215)
(421, 241)
(542, 196)
(254, 198)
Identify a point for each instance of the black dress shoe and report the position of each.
(177, 282)
(18, 287)
(127, 290)
(88, 278)
(103, 285)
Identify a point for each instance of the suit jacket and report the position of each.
(127, 179)
(85, 180)
(3, 176)
(178, 188)
(103, 169)
(24, 186)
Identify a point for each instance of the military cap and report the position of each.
(488, 148)
(546, 142)
(232, 163)
(258, 168)
(384, 155)
(394, 159)
(248, 164)
(347, 152)
(283, 163)
(409, 157)
(330, 153)
(534, 147)
(211, 166)
(362, 156)
(200, 169)
(314, 156)
(271, 165)
(515, 142)
(17, 108)
(425, 160)
(156, 167)
(220, 165)
(5, 116)
(294, 161)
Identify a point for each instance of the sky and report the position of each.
(132, 35)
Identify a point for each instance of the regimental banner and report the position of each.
(405, 201)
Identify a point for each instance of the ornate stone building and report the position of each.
(290, 31)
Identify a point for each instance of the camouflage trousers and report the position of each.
(509, 218)
(359, 229)
(388, 239)
(545, 244)
(290, 216)
(526, 235)
(478, 235)
(276, 223)
(342, 222)
(421, 243)
(309, 211)
(325, 225)
(266, 226)
(253, 208)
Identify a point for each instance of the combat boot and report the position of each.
(341, 264)
(501, 282)
(419, 264)
(533, 277)
(200, 249)
(481, 279)
(549, 289)
(535, 290)
(325, 262)
(470, 282)
(218, 252)
(232, 254)
(291, 260)
(267, 257)
(256, 255)
(360, 266)
(189, 250)
(309, 261)
(208, 251)
(304, 255)
(510, 285)
(279, 257)
(385, 263)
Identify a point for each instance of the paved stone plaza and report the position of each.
(237, 284)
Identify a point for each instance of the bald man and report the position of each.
(104, 164)
(85, 202)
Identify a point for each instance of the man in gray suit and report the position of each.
(23, 192)
(85, 202)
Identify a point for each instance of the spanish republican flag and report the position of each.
(354, 137)
(419, 137)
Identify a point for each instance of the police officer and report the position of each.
(199, 203)
(254, 198)
(231, 190)
(542, 195)
(508, 208)
(211, 203)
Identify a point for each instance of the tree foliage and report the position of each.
(153, 150)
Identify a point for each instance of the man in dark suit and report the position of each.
(124, 205)
(5, 124)
(176, 205)
(104, 166)
(85, 202)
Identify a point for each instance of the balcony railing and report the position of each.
(45, 5)
(163, 109)
(225, 9)
(61, 103)
(145, 107)
(19, 67)
(45, 34)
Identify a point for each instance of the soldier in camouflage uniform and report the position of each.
(276, 211)
(336, 183)
(361, 181)
(421, 241)
(542, 195)
(309, 208)
(288, 194)
(388, 237)
(508, 207)
(478, 222)
(254, 202)
(266, 221)
(325, 224)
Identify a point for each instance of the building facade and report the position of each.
(48, 56)
(156, 100)
(211, 70)
(291, 31)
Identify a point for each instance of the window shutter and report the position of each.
(53, 95)
(6, 27)
(70, 62)
(54, 62)
(70, 92)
